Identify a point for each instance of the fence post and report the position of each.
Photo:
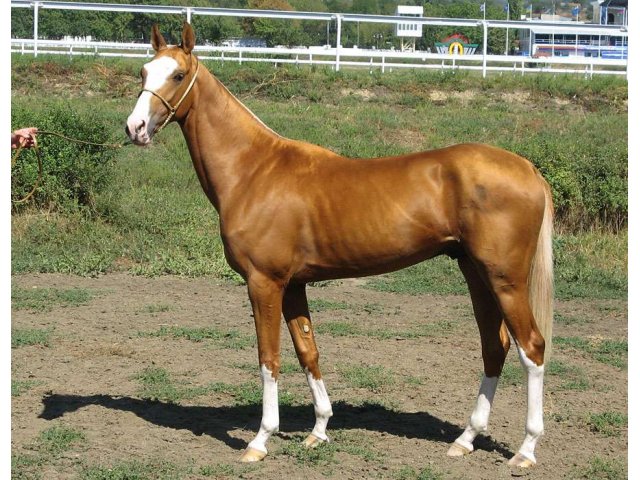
(188, 14)
(338, 40)
(484, 49)
(36, 6)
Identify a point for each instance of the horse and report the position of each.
(292, 213)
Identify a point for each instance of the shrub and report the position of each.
(72, 173)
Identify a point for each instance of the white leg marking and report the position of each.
(534, 427)
(480, 417)
(321, 405)
(270, 415)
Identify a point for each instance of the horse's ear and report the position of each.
(157, 40)
(188, 38)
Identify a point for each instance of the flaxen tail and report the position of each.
(541, 276)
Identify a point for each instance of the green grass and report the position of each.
(21, 337)
(426, 473)
(225, 339)
(560, 319)
(320, 305)
(50, 445)
(437, 276)
(512, 374)
(59, 439)
(337, 329)
(609, 352)
(154, 309)
(45, 299)
(18, 387)
(601, 469)
(325, 454)
(609, 424)
(371, 377)
(571, 376)
(345, 329)
(592, 265)
(135, 470)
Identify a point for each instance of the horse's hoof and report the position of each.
(252, 455)
(457, 450)
(312, 441)
(521, 461)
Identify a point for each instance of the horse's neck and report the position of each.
(226, 141)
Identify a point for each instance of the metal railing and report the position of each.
(336, 56)
(384, 60)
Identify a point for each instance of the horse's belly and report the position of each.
(344, 258)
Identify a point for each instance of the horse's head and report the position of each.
(166, 83)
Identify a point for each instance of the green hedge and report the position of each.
(73, 174)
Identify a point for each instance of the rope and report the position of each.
(35, 147)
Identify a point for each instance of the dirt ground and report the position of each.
(86, 379)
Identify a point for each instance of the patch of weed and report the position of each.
(23, 467)
(610, 352)
(18, 387)
(426, 473)
(323, 454)
(225, 339)
(337, 329)
(601, 469)
(58, 439)
(45, 299)
(21, 337)
(609, 424)
(512, 374)
(370, 377)
(136, 470)
(573, 377)
(321, 305)
(560, 319)
(156, 308)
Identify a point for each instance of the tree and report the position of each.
(274, 31)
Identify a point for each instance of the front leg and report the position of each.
(266, 300)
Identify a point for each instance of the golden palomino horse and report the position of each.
(293, 213)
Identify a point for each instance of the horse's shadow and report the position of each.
(218, 421)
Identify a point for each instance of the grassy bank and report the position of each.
(151, 217)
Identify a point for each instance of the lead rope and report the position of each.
(35, 147)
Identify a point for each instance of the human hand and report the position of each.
(24, 137)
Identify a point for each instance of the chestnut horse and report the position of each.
(293, 213)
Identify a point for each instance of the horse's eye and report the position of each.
(178, 77)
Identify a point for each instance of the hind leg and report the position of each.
(508, 281)
(296, 314)
(530, 344)
(495, 345)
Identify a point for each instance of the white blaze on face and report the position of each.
(142, 122)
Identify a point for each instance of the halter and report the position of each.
(173, 110)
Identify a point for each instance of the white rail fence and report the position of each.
(336, 56)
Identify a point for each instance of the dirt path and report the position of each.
(402, 372)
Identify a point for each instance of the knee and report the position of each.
(308, 358)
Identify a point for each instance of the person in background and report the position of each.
(24, 137)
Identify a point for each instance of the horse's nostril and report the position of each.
(140, 126)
